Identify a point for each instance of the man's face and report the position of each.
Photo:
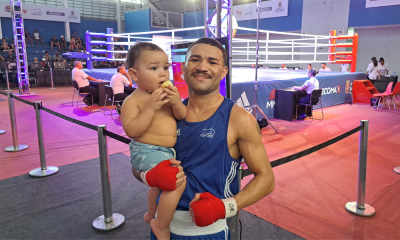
(323, 66)
(382, 62)
(54, 37)
(9, 54)
(204, 69)
(309, 67)
(4, 40)
(57, 54)
(122, 70)
(151, 70)
(283, 65)
(47, 54)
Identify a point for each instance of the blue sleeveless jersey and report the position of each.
(202, 148)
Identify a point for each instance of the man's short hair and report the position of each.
(76, 62)
(212, 42)
(323, 63)
(46, 52)
(119, 68)
(135, 51)
(309, 64)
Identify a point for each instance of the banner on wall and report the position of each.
(39, 12)
(268, 9)
(381, 3)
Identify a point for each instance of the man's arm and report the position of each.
(93, 79)
(255, 156)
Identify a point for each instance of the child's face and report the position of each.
(151, 69)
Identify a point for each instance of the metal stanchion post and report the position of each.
(16, 147)
(51, 78)
(360, 208)
(43, 170)
(233, 222)
(8, 82)
(109, 220)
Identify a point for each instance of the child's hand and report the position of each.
(156, 100)
(173, 95)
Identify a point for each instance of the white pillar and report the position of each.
(118, 16)
(67, 29)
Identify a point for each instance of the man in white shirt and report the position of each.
(283, 66)
(118, 81)
(324, 68)
(382, 67)
(82, 79)
(344, 67)
(224, 24)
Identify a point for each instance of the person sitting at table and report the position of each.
(310, 85)
(324, 68)
(382, 67)
(35, 60)
(82, 79)
(117, 83)
(372, 70)
(283, 66)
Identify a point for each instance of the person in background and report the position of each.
(224, 24)
(63, 45)
(54, 42)
(117, 83)
(6, 47)
(57, 57)
(382, 67)
(74, 35)
(37, 37)
(10, 57)
(43, 62)
(324, 68)
(372, 70)
(283, 66)
(82, 79)
(28, 37)
(78, 42)
(309, 67)
(310, 85)
(47, 57)
(72, 45)
(35, 60)
(344, 67)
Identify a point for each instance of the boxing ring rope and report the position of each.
(292, 44)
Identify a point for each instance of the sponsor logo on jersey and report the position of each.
(207, 133)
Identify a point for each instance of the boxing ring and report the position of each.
(289, 49)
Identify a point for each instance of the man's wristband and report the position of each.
(230, 207)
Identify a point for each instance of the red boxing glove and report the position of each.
(210, 209)
(162, 176)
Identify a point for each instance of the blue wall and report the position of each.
(360, 16)
(292, 22)
(47, 29)
(139, 21)
(92, 26)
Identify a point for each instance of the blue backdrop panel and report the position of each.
(333, 85)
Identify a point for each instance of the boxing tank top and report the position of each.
(202, 148)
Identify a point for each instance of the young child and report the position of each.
(149, 117)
